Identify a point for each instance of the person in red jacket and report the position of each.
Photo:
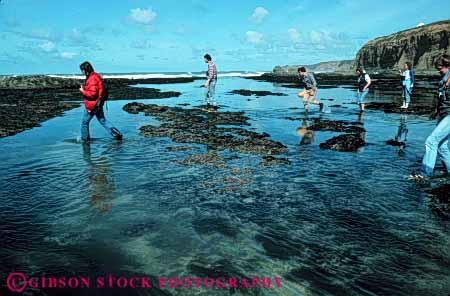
(94, 95)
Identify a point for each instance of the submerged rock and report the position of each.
(258, 93)
(179, 148)
(271, 161)
(210, 159)
(210, 224)
(344, 143)
(440, 200)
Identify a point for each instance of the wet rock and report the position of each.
(258, 93)
(395, 108)
(293, 118)
(336, 126)
(217, 130)
(344, 143)
(272, 161)
(395, 143)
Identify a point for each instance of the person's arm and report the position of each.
(313, 80)
(413, 79)
(369, 82)
(90, 89)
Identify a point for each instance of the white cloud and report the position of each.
(420, 25)
(294, 35)
(48, 46)
(40, 34)
(254, 37)
(68, 55)
(320, 37)
(142, 16)
(259, 14)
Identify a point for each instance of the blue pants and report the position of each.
(406, 91)
(362, 96)
(437, 144)
(210, 93)
(100, 117)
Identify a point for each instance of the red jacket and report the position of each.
(93, 91)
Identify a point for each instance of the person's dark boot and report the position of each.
(116, 134)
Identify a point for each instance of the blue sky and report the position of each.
(54, 36)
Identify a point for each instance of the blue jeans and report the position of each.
(210, 93)
(406, 91)
(437, 144)
(100, 117)
(362, 96)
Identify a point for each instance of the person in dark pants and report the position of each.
(94, 95)
(437, 143)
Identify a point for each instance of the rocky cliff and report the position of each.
(324, 67)
(420, 46)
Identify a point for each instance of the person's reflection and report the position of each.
(402, 133)
(361, 121)
(101, 184)
(304, 131)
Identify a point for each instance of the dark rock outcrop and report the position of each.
(344, 143)
(420, 46)
(258, 93)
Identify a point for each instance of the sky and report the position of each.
(55, 36)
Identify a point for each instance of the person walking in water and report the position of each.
(364, 82)
(94, 95)
(309, 95)
(437, 143)
(407, 84)
(210, 84)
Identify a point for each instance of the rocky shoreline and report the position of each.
(27, 101)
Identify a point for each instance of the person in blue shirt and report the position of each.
(437, 143)
(407, 84)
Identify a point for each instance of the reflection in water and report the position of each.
(402, 135)
(402, 132)
(303, 131)
(100, 180)
(361, 120)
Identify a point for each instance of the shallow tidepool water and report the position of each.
(329, 223)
